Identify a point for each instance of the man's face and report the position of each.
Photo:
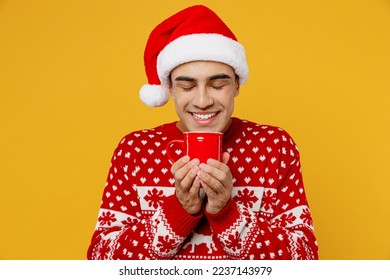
(203, 92)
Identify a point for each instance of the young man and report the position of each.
(252, 204)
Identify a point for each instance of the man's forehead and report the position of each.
(203, 70)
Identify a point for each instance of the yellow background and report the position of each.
(70, 72)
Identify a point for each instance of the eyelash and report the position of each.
(214, 87)
(187, 88)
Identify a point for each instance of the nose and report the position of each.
(203, 98)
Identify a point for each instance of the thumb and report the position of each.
(225, 157)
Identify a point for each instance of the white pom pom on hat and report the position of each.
(193, 34)
(154, 95)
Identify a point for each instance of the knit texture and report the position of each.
(267, 217)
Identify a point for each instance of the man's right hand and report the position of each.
(187, 184)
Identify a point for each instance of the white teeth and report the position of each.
(203, 117)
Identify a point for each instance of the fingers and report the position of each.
(187, 185)
(216, 200)
(184, 170)
(225, 157)
(195, 186)
(188, 181)
(215, 170)
(216, 180)
(179, 164)
(190, 200)
(215, 186)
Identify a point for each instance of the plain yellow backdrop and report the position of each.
(70, 72)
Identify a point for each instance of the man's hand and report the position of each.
(187, 184)
(216, 179)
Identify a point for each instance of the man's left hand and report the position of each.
(216, 180)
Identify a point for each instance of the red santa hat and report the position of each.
(193, 34)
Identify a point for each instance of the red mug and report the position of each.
(199, 144)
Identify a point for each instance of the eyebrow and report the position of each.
(185, 79)
(211, 78)
(219, 76)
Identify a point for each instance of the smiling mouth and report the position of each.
(203, 117)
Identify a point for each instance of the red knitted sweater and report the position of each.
(267, 216)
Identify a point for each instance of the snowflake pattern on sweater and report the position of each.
(267, 217)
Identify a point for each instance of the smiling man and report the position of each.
(249, 205)
(203, 92)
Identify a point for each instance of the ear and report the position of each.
(237, 92)
(170, 92)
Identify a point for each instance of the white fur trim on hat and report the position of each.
(202, 47)
(154, 95)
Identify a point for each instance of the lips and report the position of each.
(203, 117)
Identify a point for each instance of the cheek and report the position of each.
(228, 100)
(181, 101)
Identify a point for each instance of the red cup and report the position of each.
(198, 144)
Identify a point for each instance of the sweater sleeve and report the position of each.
(283, 228)
(123, 231)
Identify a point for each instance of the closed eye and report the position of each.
(187, 88)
